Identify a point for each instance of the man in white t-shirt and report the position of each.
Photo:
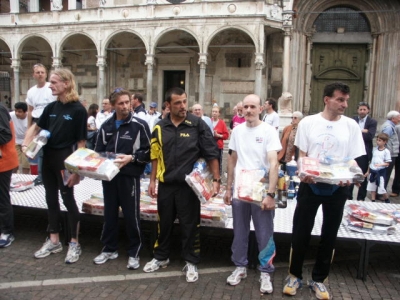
(271, 117)
(20, 119)
(253, 145)
(104, 114)
(37, 98)
(327, 136)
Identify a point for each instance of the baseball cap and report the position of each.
(153, 104)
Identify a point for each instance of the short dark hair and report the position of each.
(21, 105)
(164, 105)
(173, 91)
(138, 96)
(363, 104)
(272, 101)
(336, 86)
(116, 93)
(383, 136)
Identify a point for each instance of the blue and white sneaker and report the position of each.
(6, 240)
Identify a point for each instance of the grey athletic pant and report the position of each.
(263, 221)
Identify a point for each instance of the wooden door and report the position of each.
(338, 62)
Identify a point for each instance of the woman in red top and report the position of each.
(220, 133)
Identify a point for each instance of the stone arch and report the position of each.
(221, 29)
(305, 19)
(2, 40)
(115, 33)
(161, 34)
(72, 34)
(20, 45)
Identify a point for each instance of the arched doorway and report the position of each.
(339, 54)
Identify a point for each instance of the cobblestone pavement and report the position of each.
(24, 277)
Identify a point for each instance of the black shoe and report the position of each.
(37, 181)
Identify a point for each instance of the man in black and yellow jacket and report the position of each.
(177, 142)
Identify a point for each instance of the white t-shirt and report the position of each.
(322, 139)
(101, 117)
(20, 127)
(379, 157)
(153, 119)
(91, 121)
(272, 119)
(252, 145)
(38, 98)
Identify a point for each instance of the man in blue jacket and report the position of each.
(129, 138)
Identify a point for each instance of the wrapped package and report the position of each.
(395, 214)
(250, 186)
(330, 171)
(20, 186)
(148, 212)
(93, 206)
(200, 180)
(369, 215)
(94, 165)
(358, 225)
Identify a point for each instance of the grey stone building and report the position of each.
(218, 51)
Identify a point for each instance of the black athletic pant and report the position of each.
(363, 163)
(53, 163)
(303, 222)
(122, 191)
(6, 209)
(178, 200)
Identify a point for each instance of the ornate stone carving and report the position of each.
(56, 5)
(285, 103)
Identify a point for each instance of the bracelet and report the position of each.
(217, 180)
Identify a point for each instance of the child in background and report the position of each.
(377, 169)
(91, 126)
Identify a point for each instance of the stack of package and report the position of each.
(148, 205)
(95, 205)
(362, 219)
(215, 212)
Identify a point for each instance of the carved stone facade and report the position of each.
(220, 51)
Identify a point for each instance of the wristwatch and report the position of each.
(133, 158)
(217, 180)
(272, 195)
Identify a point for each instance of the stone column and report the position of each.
(15, 65)
(101, 82)
(149, 84)
(287, 17)
(33, 5)
(14, 6)
(56, 63)
(259, 63)
(202, 78)
(372, 62)
(286, 60)
(71, 4)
